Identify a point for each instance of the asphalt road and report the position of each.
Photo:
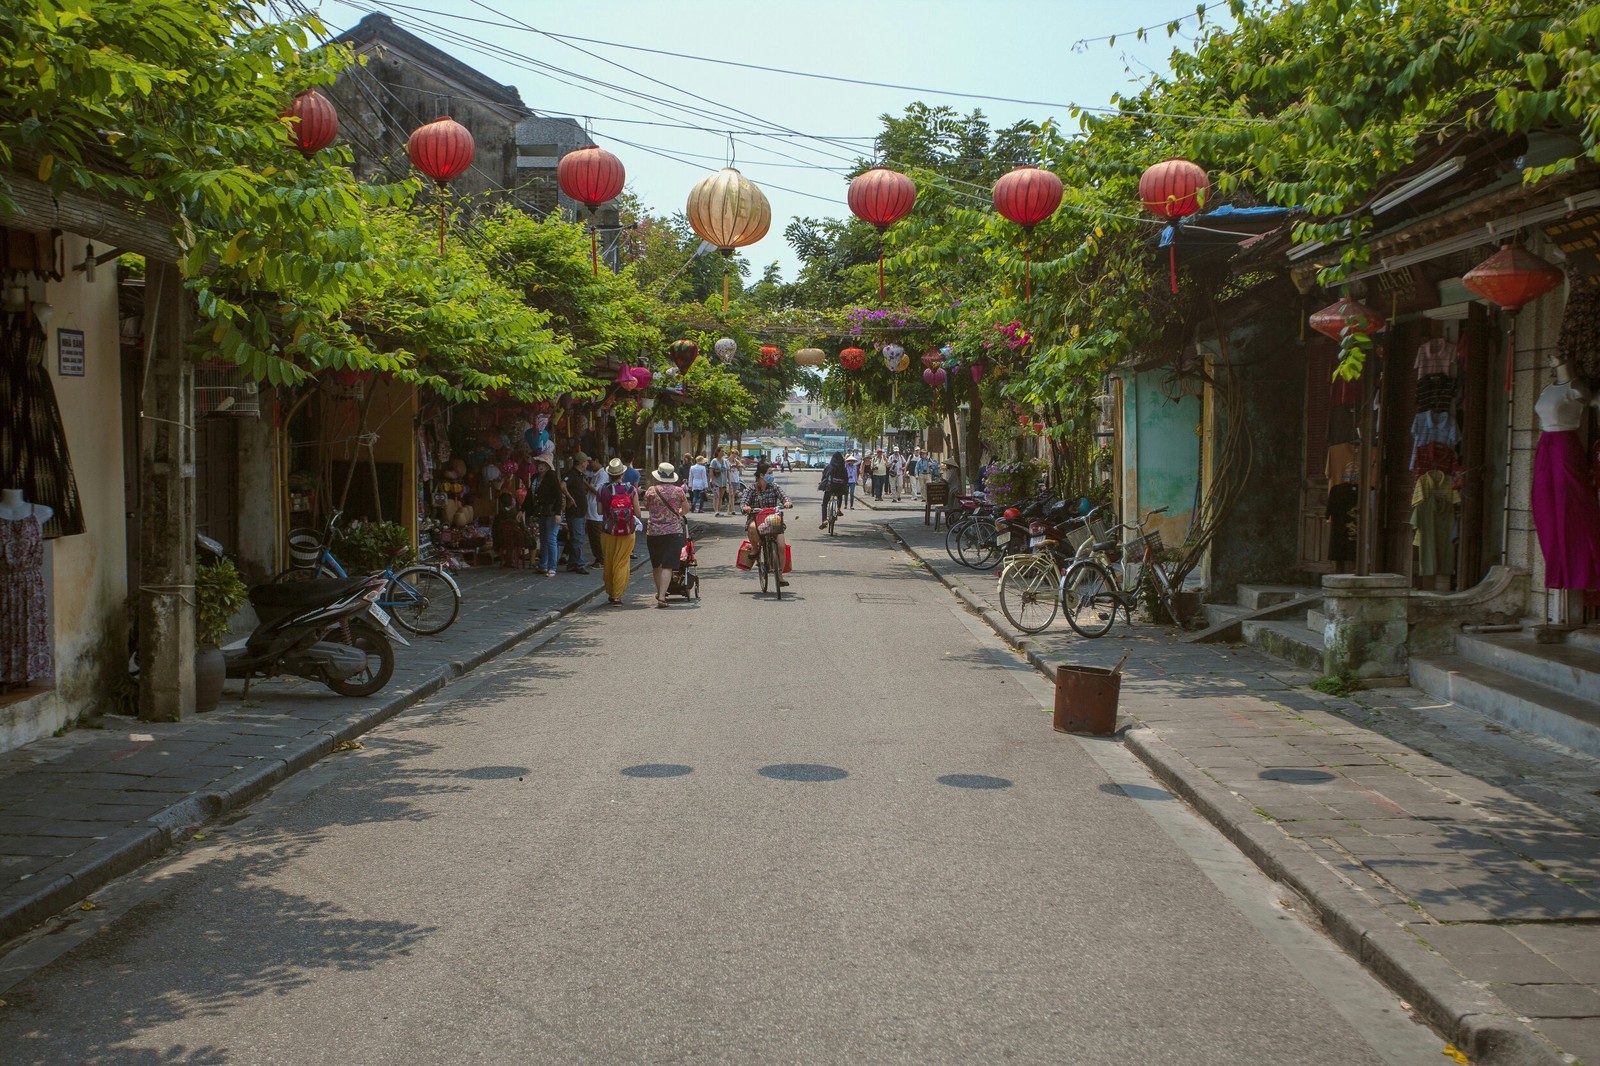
(833, 829)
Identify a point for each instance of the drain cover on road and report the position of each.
(883, 597)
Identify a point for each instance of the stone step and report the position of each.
(1316, 621)
(1290, 641)
(1571, 668)
(1587, 638)
(1256, 597)
(1217, 613)
(1513, 701)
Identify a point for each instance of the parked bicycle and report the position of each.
(422, 597)
(1031, 581)
(1116, 576)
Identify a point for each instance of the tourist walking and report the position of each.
(595, 475)
(735, 482)
(880, 474)
(665, 527)
(619, 507)
(543, 505)
(699, 484)
(896, 464)
(852, 473)
(718, 471)
(919, 473)
(576, 484)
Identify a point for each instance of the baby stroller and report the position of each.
(685, 582)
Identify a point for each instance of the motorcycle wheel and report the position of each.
(380, 662)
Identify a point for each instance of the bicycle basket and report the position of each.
(1153, 540)
(304, 547)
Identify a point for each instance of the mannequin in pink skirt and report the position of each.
(1566, 510)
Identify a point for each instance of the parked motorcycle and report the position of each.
(332, 632)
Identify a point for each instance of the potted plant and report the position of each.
(368, 547)
(219, 595)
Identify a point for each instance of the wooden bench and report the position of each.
(936, 500)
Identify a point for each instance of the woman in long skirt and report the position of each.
(616, 542)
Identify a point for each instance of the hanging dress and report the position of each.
(33, 439)
(24, 632)
(1566, 511)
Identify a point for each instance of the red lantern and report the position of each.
(642, 377)
(771, 355)
(1027, 196)
(1174, 189)
(931, 358)
(881, 197)
(935, 377)
(683, 353)
(977, 370)
(591, 176)
(852, 358)
(1347, 318)
(315, 123)
(1038, 426)
(1510, 279)
(443, 150)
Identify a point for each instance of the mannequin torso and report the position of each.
(13, 508)
(1560, 406)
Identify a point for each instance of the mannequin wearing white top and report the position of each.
(13, 508)
(1560, 406)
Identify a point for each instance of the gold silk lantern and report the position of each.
(727, 210)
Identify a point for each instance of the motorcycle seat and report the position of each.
(304, 593)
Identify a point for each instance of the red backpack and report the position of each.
(621, 512)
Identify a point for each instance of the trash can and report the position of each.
(1086, 700)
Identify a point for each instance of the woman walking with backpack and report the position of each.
(665, 528)
(619, 507)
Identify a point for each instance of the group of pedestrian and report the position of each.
(898, 475)
(716, 482)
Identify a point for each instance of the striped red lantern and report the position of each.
(1028, 196)
(1174, 189)
(314, 123)
(443, 150)
(881, 197)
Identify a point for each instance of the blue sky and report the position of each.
(1022, 49)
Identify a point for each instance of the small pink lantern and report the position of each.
(935, 377)
(977, 370)
(642, 376)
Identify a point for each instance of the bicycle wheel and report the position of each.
(422, 599)
(952, 534)
(989, 548)
(970, 550)
(761, 565)
(1089, 599)
(833, 513)
(1028, 588)
(775, 568)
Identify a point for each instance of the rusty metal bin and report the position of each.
(1086, 700)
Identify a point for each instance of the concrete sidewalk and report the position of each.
(1458, 861)
(81, 809)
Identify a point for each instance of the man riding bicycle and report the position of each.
(835, 483)
(764, 498)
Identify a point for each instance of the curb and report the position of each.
(1469, 1017)
(128, 849)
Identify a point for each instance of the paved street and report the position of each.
(836, 828)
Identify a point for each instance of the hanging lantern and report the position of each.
(1174, 189)
(1510, 279)
(726, 348)
(642, 377)
(1025, 420)
(315, 124)
(683, 353)
(881, 197)
(1038, 426)
(895, 358)
(852, 358)
(977, 370)
(1346, 317)
(1027, 196)
(935, 377)
(771, 355)
(729, 211)
(625, 379)
(810, 357)
(931, 358)
(443, 150)
(591, 175)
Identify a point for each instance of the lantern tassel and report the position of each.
(1511, 350)
(594, 249)
(1027, 266)
(724, 288)
(881, 296)
(441, 223)
(1172, 263)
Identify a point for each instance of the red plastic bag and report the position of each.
(788, 560)
(746, 558)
